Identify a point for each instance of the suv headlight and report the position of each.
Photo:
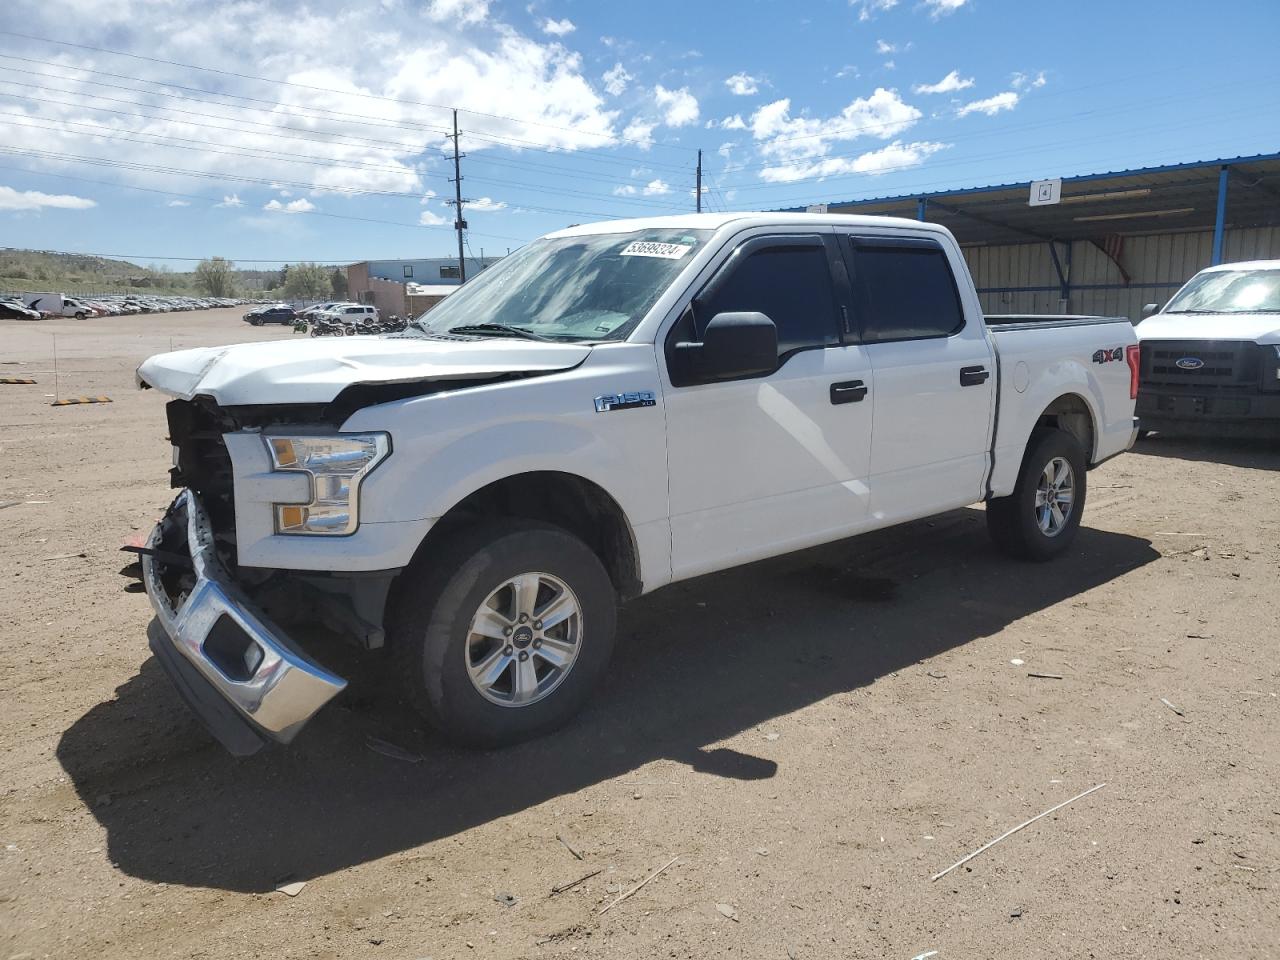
(335, 466)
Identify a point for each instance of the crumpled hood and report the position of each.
(317, 369)
(1257, 327)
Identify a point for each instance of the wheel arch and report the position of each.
(565, 500)
(1071, 413)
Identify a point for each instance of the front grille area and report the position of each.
(1222, 362)
(203, 464)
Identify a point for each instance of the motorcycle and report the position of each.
(324, 327)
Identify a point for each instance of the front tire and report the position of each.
(501, 633)
(1039, 520)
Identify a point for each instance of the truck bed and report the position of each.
(998, 320)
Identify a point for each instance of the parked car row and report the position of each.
(333, 318)
(82, 308)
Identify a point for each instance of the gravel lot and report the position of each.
(812, 736)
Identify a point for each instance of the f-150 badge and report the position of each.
(1106, 356)
(624, 401)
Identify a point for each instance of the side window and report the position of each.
(408, 271)
(791, 285)
(905, 292)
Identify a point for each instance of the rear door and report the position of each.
(765, 464)
(933, 376)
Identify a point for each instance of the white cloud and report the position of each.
(626, 190)
(427, 196)
(742, 84)
(869, 8)
(458, 12)
(728, 123)
(896, 156)
(11, 199)
(781, 136)
(1021, 80)
(680, 107)
(369, 125)
(640, 132)
(301, 205)
(991, 105)
(178, 203)
(429, 218)
(939, 8)
(890, 65)
(948, 84)
(231, 200)
(656, 188)
(883, 47)
(616, 79)
(558, 28)
(483, 204)
(848, 70)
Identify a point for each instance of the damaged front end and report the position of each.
(217, 630)
(238, 671)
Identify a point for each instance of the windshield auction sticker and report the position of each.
(647, 248)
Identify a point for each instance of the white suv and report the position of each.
(351, 313)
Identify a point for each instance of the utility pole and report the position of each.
(699, 187)
(458, 223)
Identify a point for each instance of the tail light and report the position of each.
(1133, 356)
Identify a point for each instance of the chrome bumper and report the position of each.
(276, 689)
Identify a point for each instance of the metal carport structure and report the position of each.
(1114, 241)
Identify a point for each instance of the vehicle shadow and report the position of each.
(697, 663)
(1255, 454)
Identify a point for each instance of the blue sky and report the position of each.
(317, 130)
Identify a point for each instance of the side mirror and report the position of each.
(733, 345)
(1149, 308)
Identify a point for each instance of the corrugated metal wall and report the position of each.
(1020, 278)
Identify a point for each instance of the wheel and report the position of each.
(315, 332)
(79, 314)
(500, 635)
(1143, 434)
(1039, 519)
(255, 321)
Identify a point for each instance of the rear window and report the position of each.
(905, 292)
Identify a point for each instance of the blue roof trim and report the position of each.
(1026, 184)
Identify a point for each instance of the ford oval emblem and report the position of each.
(1189, 363)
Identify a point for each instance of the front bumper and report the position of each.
(237, 671)
(1209, 411)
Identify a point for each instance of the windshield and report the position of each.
(594, 287)
(1229, 291)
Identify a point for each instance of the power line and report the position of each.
(306, 86)
(311, 113)
(278, 157)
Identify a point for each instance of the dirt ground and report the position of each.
(812, 737)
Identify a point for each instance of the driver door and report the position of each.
(765, 464)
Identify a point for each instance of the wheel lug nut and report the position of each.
(537, 624)
(506, 631)
(537, 644)
(506, 651)
(524, 618)
(524, 655)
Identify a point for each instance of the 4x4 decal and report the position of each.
(1108, 354)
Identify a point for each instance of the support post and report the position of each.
(922, 205)
(1219, 223)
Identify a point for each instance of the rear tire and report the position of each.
(463, 639)
(1039, 520)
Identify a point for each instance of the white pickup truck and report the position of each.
(1211, 357)
(612, 408)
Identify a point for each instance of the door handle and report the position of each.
(973, 376)
(851, 391)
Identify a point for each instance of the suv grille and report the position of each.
(1221, 362)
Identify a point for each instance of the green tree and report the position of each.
(215, 277)
(307, 281)
(338, 280)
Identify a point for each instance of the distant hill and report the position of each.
(78, 273)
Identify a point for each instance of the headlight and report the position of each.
(335, 466)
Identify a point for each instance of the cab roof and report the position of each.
(714, 221)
